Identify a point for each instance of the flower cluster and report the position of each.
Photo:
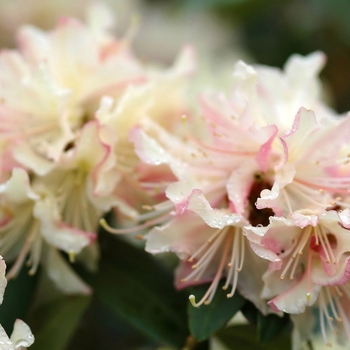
(68, 99)
(250, 186)
(261, 196)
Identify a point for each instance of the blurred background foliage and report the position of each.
(271, 30)
(134, 305)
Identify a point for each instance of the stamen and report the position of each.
(297, 251)
(295, 264)
(285, 195)
(204, 246)
(35, 254)
(340, 294)
(24, 251)
(212, 148)
(232, 264)
(344, 318)
(242, 254)
(133, 229)
(319, 234)
(308, 276)
(209, 295)
(322, 312)
(338, 187)
(71, 256)
(328, 245)
(235, 277)
(204, 261)
(331, 303)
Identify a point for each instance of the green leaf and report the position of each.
(250, 312)
(136, 287)
(54, 323)
(271, 326)
(17, 298)
(204, 4)
(232, 5)
(244, 337)
(207, 319)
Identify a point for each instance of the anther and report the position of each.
(192, 299)
(139, 237)
(71, 256)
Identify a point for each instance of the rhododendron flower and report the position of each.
(249, 186)
(263, 96)
(311, 253)
(211, 245)
(235, 156)
(308, 178)
(69, 98)
(37, 228)
(54, 85)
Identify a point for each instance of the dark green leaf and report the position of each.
(17, 298)
(136, 287)
(207, 319)
(214, 3)
(101, 329)
(271, 326)
(250, 312)
(54, 323)
(244, 337)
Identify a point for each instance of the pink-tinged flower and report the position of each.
(82, 186)
(282, 93)
(223, 168)
(330, 313)
(54, 84)
(84, 179)
(303, 258)
(211, 245)
(309, 177)
(21, 337)
(235, 142)
(40, 225)
(262, 95)
(161, 99)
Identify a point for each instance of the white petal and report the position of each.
(55, 232)
(62, 275)
(22, 335)
(3, 281)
